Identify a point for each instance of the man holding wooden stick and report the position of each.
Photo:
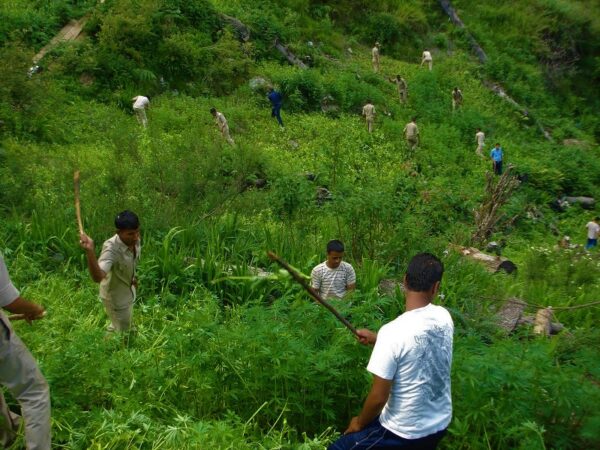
(115, 269)
(409, 405)
(20, 374)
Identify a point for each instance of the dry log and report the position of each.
(459, 23)
(292, 59)
(241, 29)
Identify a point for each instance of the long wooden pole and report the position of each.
(314, 294)
(77, 205)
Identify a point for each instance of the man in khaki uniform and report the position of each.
(221, 122)
(20, 374)
(427, 59)
(457, 98)
(402, 88)
(375, 57)
(369, 113)
(480, 139)
(115, 269)
(411, 132)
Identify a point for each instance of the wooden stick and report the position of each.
(14, 317)
(314, 294)
(77, 206)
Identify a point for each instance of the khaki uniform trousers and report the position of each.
(121, 317)
(412, 142)
(19, 373)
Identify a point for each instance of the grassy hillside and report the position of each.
(224, 359)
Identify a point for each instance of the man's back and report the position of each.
(411, 130)
(369, 111)
(140, 102)
(275, 98)
(415, 351)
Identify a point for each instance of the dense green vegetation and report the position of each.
(224, 359)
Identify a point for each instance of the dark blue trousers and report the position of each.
(276, 112)
(374, 436)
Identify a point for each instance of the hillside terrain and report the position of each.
(224, 358)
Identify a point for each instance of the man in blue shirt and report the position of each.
(276, 100)
(497, 155)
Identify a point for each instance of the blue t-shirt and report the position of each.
(275, 98)
(496, 154)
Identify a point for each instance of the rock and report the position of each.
(389, 287)
(329, 104)
(494, 247)
(508, 266)
(323, 195)
(510, 314)
(258, 84)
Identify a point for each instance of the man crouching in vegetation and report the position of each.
(409, 405)
(115, 269)
(19, 373)
(333, 278)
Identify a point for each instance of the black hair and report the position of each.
(414, 119)
(335, 246)
(497, 143)
(424, 270)
(127, 220)
(213, 110)
(597, 218)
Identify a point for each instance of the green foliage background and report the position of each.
(224, 359)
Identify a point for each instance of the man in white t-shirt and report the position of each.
(140, 103)
(593, 230)
(221, 122)
(20, 375)
(426, 58)
(410, 404)
(480, 139)
(369, 112)
(333, 278)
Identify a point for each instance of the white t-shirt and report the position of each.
(593, 230)
(8, 292)
(221, 120)
(427, 56)
(140, 102)
(480, 138)
(415, 351)
(369, 111)
(332, 282)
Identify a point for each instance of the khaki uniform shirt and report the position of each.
(369, 111)
(480, 137)
(401, 83)
(411, 130)
(119, 264)
(375, 54)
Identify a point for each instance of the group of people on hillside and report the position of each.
(411, 130)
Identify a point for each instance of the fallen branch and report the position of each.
(292, 59)
(314, 294)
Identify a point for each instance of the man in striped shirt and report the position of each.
(333, 278)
